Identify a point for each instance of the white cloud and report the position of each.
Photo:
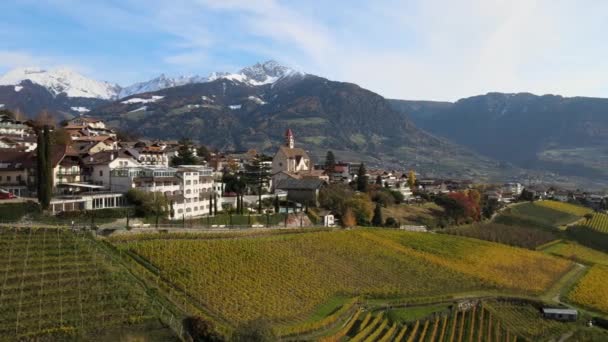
(422, 49)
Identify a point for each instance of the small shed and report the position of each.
(560, 314)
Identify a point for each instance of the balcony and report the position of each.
(65, 173)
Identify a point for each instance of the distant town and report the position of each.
(94, 167)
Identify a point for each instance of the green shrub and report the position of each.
(12, 212)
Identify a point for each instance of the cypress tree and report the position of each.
(362, 178)
(377, 219)
(40, 169)
(330, 163)
(48, 167)
(210, 205)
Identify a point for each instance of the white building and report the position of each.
(189, 188)
(12, 127)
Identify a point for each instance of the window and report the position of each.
(188, 182)
(100, 173)
(8, 178)
(180, 211)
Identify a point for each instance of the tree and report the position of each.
(348, 218)
(411, 179)
(44, 118)
(203, 152)
(526, 195)
(148, 203)
(184, 156)
(201, 330)
(377, 219)
(379, 180)
(362, 178)
(330, 163)
(233, 183)
(41, 176)
(126, 135)
(258, 330)
(362, 207)
(588, 217)
(392, 222)
(60, 136)
(276, 204)
(257, 175)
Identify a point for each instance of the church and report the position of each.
(289, 158)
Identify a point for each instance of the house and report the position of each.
(514, 188)
(85, 126)
(26, 143)
(290, 158)
(304, 191)
(109, 141)
(14, 171)
(97, 167)
(12, 127)
(569, 315)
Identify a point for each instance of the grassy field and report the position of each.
(591, 291)
(536, 214)
(56, 285)
(574, 251)
(414, 214)
(287, 278)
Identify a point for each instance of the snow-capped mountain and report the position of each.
(158, 83)
(62, 80)
(257, 74)
(74, 85)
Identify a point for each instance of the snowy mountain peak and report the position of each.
(267, 72)
(158, 83)
(62, 80)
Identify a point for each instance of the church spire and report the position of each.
(289, 139)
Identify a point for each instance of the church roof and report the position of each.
(293, 152)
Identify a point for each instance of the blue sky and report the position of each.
(419, 49)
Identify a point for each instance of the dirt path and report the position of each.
(561, 286)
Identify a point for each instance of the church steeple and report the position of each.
(289, 139)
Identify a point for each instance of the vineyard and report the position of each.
(571, 209)
(513, 235)
(286, 277)
(536, 215)
(525, 320)
(574, 251)
(590, 291)
(599, 222)
(474, 325)
(58, 285)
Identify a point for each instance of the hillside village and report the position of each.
(95, 168)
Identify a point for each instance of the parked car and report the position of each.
(6, 195)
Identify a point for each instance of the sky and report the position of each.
(418, 49)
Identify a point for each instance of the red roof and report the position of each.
(288, 133)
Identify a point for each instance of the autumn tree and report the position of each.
(411, 179)
(44, 119)
(348, 218)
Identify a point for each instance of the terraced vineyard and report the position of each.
(590, 291)
(285, 277)
(525, 320)
(475, 324)
(57, 285)
(571, 209)
(599, 222)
